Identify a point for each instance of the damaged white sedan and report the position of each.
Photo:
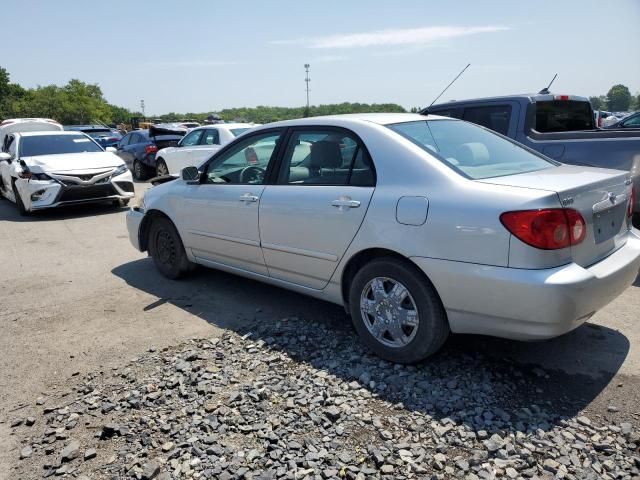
(46, 169)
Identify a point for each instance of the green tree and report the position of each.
(618, 98)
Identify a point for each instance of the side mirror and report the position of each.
(5, 157)
(111, 149)
(190, 174)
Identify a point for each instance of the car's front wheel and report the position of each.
(167, 250)
(161, 168)
(396, 311)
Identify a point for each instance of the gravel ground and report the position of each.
(295, 400)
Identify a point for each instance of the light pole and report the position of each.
(307, 80)
(142, 108)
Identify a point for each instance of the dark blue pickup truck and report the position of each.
(559, 126)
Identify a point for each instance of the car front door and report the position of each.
(309, 218)
(209, 144)
(186, 148)
(219, 214)
(125, 150)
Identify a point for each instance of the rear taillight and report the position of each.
(547, 229)
(150, 149)
(562, 97)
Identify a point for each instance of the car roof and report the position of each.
(358, 118)
(536, 97)
(227, 125)
(45, 133)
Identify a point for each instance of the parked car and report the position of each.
(630, 121)
(417, 225)
(138, 148)
(40, 170)
(559, 126)
(105, 136)
(198, 145)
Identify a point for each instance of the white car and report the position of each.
(197, 146)
(40, 170)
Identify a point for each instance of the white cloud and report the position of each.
(407, 36)
(328, 58)
(192, 63)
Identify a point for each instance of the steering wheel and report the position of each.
(252, 174)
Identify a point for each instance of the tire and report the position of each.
(161, 168)
(394, 341)
(167, 250)
(635, 220)
(21, 208)
(139, 170)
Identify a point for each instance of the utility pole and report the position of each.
(307, 80)
(142, 108)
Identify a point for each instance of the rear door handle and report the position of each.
(345, 203)
(247, 197)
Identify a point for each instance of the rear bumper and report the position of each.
(530, 304)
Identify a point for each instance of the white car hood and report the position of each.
(68, 162)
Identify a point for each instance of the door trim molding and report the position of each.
(243, 241)
(299, 251)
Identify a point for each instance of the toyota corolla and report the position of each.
(418, 225)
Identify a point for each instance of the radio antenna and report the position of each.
(426, 110)
(545, 91)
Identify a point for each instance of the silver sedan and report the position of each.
(418, 225)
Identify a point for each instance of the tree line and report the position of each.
(78, 102)
(617, 99)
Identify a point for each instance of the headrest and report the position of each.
(326, 155)
(470, 154)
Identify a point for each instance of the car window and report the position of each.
(563, 116)
(191, 139)
(37, 145)
(211, 137)
(472, 151)
(11, 146)
(632, 122)
(246, 162)
(135, 139)
(325, 157)
(494, 117)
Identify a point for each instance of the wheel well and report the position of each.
(358, 261)
(144, 227)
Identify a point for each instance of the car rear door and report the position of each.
(309, 218)
(219, 215)
(209, 144)
(125, 151)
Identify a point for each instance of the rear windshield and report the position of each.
(55, 144)
(237, 131)
(472, 151)
(563, 116)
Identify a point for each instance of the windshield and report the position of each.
(237, 131)
(472, 151)
(563, 116)
(56, 144)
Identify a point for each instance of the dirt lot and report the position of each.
(76, 299)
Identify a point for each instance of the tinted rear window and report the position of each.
(563, 116)
(470, 150)
(495, 117)
(56, 144)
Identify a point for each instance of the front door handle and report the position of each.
(345, 202)
(247, 197)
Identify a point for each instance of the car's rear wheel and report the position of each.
(161, 168)
(139, 170)
(21, 208)
(167, 250)
(396, 311)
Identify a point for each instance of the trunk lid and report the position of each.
(600, 195)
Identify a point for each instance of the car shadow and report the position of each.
(9, 212)
(488, 383)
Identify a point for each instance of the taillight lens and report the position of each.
(547, 229)
(150, 149)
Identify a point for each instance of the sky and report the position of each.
(202, 56)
